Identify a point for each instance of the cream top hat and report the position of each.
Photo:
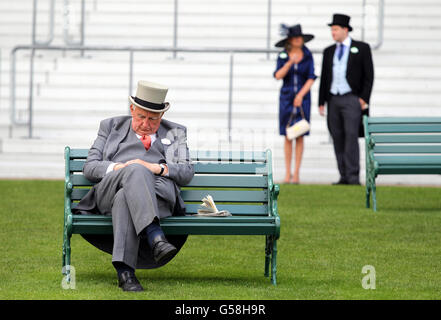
(150, 96)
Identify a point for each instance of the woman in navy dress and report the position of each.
(295, 65)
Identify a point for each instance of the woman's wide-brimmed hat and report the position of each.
(341, 20)
(290, 32)
(150, 96)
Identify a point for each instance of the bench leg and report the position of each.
(368, 194)
(274, 263)
(374, 196)
(268, 249)
(66, 256)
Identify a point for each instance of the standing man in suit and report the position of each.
(346, 84)
(139, 162)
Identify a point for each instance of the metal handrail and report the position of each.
(66, 24)
(380, 24)
(51, 24)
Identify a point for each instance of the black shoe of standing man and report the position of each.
(341, 181)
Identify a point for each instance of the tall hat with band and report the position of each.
(341, 20)
(150, 96)
(290, 32)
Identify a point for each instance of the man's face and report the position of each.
(339, 34)
(145, 122)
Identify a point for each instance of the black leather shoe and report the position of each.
(128, 282)
(162, 249)
(341, 181)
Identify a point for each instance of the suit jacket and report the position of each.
(113, 131)
(359, 73)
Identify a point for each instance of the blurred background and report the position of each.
(67, 64)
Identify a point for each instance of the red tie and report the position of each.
(146, 141)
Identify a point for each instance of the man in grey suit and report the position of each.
(139, 163)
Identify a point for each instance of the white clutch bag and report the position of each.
(297, 129)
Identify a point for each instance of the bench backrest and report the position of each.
(404, 135)
(238, 181)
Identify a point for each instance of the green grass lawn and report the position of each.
(327, 236)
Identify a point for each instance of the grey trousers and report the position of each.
(129, 195)
(344, 114)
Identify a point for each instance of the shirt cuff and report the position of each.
(168, 172)
(110, 167)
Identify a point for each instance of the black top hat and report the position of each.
(293, 31)
(341, 20)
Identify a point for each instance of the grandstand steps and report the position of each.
(95, 86)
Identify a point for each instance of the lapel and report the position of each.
(115, 137)
(330, 61)
(351, 55)
(161, 134)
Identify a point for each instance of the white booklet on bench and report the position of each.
(209, 209)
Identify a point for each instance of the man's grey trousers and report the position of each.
(128, 194)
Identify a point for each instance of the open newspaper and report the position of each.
(209, 209)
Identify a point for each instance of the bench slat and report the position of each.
(76, 165)
(78, 153)
(199, 155)
(404, 138)
(231, 168)
(248, 156)
(217, 168)
(226, 195)
(197, 195)
(403, 120)
(408, 169)
(234, 209)
(229, 181)
(79, 180)
(407, 149)
(201, 181)
(409, 160)
(404, 128)
(98, 224)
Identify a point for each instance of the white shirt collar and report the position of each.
(346, 42)
(152, 136)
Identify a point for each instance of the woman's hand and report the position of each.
(298, 100)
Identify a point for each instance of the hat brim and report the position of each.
(165, 105)
(341, 25)
(306, 38)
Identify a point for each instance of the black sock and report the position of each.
(152, 231)
(122, 267)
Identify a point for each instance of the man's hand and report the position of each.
(153, 167)
(363, 104)
(119, 166)
(322, 110)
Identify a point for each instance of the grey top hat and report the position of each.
(150, 96)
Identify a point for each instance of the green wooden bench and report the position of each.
(404, 145)
(240, 182)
